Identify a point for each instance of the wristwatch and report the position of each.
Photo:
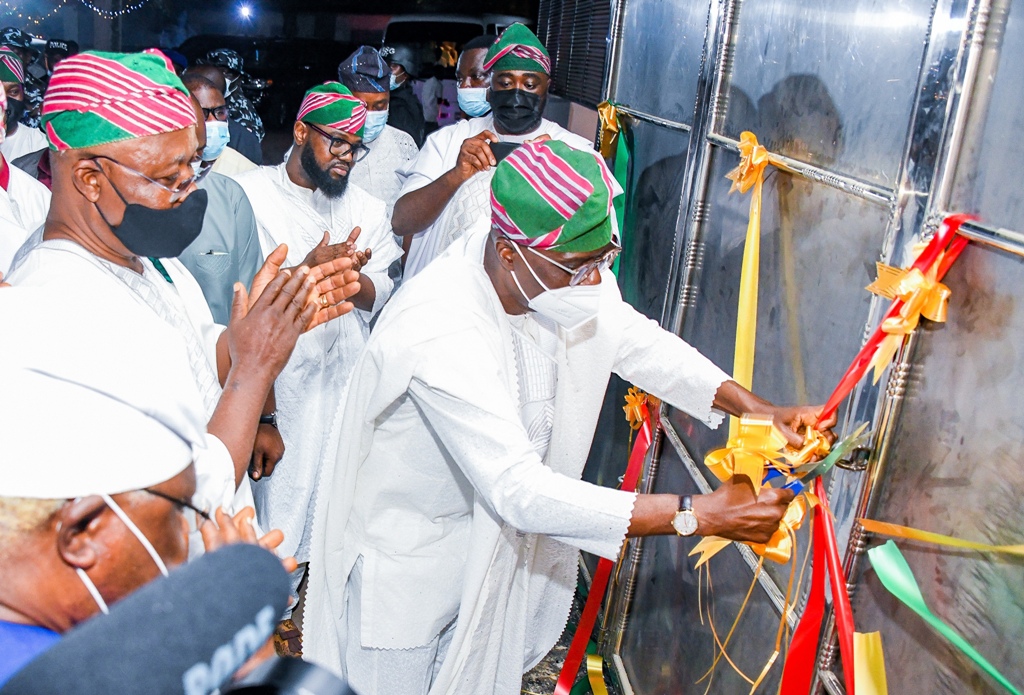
(685, 521)
(269, 419)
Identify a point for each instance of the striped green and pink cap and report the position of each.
(95, 98)
(549, 195)
(332, 105)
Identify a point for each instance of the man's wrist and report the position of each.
(707, 518)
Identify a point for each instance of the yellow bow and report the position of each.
(922, 295)
(609, 116)
(753, 160)
(757, 445)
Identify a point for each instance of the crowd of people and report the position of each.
(382, 359)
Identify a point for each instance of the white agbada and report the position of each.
(23, 209)
(438, 486)
(312, 382)
(23, 141)
(471, 203)
(377, 172)
(179, 302)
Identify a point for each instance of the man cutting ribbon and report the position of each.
(448, 521)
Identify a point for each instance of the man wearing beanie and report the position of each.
(367, 76)
(20, 138)
(449, 520)
(445, 191)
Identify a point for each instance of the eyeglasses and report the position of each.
(183, 504)
(340, 147)
(177, 193)
(580, 274)
(218, 112)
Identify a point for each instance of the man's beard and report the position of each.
(324, 182)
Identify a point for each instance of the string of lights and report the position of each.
(15, 11)
(109, 14)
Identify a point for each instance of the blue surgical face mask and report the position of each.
(473, 101)
(217, 138)
(394, 82)
(375, 122)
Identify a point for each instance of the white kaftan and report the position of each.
(23, 141)
(179, 302)
(439, 488)
(311, 384)
(377, 173)
(23, 209)
(471, 202)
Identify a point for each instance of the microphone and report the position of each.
(186, 633)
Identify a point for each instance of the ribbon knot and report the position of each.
(922, 295)
(754, 157)
(610, 127)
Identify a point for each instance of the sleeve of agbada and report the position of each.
(461, 394)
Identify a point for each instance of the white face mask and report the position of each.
(569, 307)
(89, 585)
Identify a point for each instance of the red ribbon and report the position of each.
(803, 648)
(946, 239)
(599, 584)
(800, 663)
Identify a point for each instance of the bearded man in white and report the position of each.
(446, 189)
(303, 203)
(447, 527)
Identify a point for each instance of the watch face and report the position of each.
(685, 523)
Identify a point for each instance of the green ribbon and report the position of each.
(895, 574)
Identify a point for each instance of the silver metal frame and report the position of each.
(954, 55)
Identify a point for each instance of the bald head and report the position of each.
(211, 73)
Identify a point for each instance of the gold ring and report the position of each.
(323, 300)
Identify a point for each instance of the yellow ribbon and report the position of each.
(595, 674)
(869, 664)
(757, 445)
(886, 529)
(609, 116)
(922, 295)
(754, 158)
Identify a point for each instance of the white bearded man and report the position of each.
(305, 202)
(122, 134)
(447, 529)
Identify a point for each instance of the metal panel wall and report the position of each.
(870, 103)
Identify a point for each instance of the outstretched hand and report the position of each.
(263, 333)
(794, 421)
(225, 530)
(735, 512)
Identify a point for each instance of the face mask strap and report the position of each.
(528, 267)
(93, 591)
(116, 508)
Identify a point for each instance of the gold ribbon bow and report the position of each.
(609, 116)
(754, 157)
(634, 408)
(756, 446)
(922, 295)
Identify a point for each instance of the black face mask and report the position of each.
(516, 111)
(15, 110)
(159, 233)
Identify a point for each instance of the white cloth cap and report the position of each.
(98, 396)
